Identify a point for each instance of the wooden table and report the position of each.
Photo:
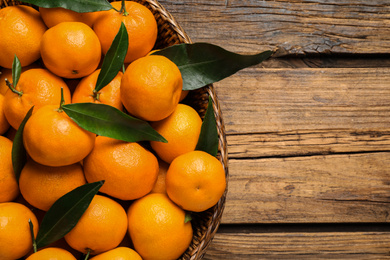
(308, 132)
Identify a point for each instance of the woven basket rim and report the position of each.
(204, 234)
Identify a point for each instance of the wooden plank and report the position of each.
(305, 245)
(309, 189)
(257, 100)
(328, 61)
(303, 143)
(293, 26)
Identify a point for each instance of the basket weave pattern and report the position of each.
(205, 224)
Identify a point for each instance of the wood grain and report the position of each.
(309, 189)
(257, 100)
(328, 61)
(305, 143)
(313, 245)
(295, 27)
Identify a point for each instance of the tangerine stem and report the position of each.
(11, 87)
(123, 9)
(34, 242)
(87, 255)
(96, 95)
(62, 102)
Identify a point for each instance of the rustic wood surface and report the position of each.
(308, 131)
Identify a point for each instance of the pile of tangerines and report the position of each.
(149, 187)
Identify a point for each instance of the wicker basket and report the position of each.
(205, 224)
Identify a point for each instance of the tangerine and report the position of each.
(15, 234)
(181, 129)
(42, 185)
(4, 125)
(7, 74)
(51, 253)
(151, 87)
(109, 95)
(54, 16)
(159, 186)
(119, 253)
(195, 181)
(140, 24)
(129, 170)
(157, 227)
(51, 138)
(21, 30)
(71, 50)
(9, 189)
(101, 228)
(36, 87)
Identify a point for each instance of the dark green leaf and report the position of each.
(204, 63)
(19, 154)
(108, 121)
(208, 138)
(114, 58)
(16, 71)
(65, 213)
(34, 242)
(80, 6)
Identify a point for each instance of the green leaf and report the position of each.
(114, 58)
(16, 71)
(34, 242)
(19, 154)
(204, 63)
(65, 213)
(108, 121)
(187, 217)
(208, 138)
(80, 6)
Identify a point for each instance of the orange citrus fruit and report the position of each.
(129, 170)
(195, 181)
(181, 129)
(140, 24)
(109, 95)
(4, 125)
(21, 30)
(159, 186)
(9, 189)
(71, 50)
(157, 227)
(51, 253)
(101, 228)
(151, 88)
(51, 138)
(7, 74)
(119, 253)
(54, 16)
(15, 234)
(4, 74)
(36, 87)
(42, 185)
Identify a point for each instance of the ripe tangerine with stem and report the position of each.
(52, 138)
(140, 24)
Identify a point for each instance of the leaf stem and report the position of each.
(123, 9)
(11, 87)
(32, 236)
